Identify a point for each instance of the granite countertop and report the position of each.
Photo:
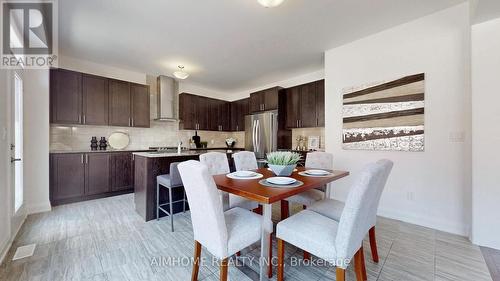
(183, 153)
(97, 151)
(143, 152)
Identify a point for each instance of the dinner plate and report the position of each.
(317, 172)
(281, 180)
(244, 174)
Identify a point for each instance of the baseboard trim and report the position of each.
(39, 208)
(442, 225)
(8, 245)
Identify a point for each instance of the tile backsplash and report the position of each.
(306, 132)
(160, 134)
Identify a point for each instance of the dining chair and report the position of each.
(333, 209)
(222, 233)
(337, 242)
(218, 164)
(314, 160)
(245, 161)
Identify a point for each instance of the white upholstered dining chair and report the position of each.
(221, 233)
(337, 242)
(245, 161)
(218, 164)
(333, 209)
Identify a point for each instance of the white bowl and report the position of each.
(317, 172)
(244, 174)
(281, 180)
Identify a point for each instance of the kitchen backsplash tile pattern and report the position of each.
(306, 132)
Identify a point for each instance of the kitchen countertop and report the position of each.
(183, 153)
(148, 151)
(97, 151)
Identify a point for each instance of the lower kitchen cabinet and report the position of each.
(83, 176)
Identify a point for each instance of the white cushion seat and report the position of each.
(243, 229)
(308, 197)
(311, 231)
(241, 202)
(329, 208)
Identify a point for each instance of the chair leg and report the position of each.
(170, 200)
(184, 201)
(258, 210)
(270, 265)
(358, 266)
(340, 274)
(281, 259)
(304, 207)
(223, 270)
(363, 265)
(238, 253)
(196, 264)
(157, 201)
(307, 255)
(373, 244)
(285, 210)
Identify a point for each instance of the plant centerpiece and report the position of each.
(282, 163)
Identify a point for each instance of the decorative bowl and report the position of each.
(282, 170)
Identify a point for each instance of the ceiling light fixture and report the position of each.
(270, 3)
(181, 74)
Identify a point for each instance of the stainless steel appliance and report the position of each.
(261, 133)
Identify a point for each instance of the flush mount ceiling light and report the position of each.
(270, 3)
(181, 74)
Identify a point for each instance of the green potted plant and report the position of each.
(282, 163)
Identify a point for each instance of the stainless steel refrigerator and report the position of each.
(261, 133)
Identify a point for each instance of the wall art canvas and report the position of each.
(385, 116)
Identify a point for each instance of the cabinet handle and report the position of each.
(237, 128)
(83, 161)
(80, 119)
(300, 123)
(263, 106)
(84, 119)
(133, 157)
(86, 158)
(132, 122)
(297, 123)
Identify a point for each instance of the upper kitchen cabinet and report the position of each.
(264, 100)
(119, 103)
(239, 109)
(305, 105)
(95, 100)
(140, 105)
(194, 112)
(219, 115)
(66, 97)
(83, 99)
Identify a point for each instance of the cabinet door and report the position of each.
(292, 107)
(97, 173)
(68, 176)
(65, 96)
(187, 111)
(243, 111)
(121, 171)
(202, 113)
(119, 103)
(320, 103)
(213, 114)
(308, 105)
(225, 116)
(140, 105)
(256, 101)
(95, 100)
(271, 99)
(234, 115)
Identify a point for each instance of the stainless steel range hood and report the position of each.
(168, 90)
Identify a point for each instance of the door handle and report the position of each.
(12, 159)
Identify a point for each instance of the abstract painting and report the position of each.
(385, 116)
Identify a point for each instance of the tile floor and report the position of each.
(105, 240)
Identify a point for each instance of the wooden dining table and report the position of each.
(265, 195)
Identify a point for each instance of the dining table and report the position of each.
(256, 189)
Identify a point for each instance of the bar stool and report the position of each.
(169, 181)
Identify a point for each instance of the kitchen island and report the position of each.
(149, 165)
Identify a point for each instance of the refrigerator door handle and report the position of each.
(272, 133)
(258, 135)
(254, 126)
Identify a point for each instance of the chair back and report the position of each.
(245, 161)
(216, 163)
(358, 212)
(175, 177)
(387, 168)
(207, 216)
(319, 160)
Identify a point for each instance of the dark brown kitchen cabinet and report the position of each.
(264, 100)
(305, 105)
(239, 109)
(122, 171)
(140, 105)
(199, 113)
(97, 171)
(67, 176)
(219, 115)
(65, 96)
(95, 100)
(119, 103)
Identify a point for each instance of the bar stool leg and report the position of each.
(184, 201)
(171, 209)
(157, 201)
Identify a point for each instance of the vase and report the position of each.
(282, 170)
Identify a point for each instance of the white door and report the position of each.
(16, 133)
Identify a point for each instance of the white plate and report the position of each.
(281, 180)
(317, 172)
(118, 140)
(244, 174)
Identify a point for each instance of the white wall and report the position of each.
(4, 189)
(439, 178)
(486, 134)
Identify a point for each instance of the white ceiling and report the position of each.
(228, 45)
(487, 10)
